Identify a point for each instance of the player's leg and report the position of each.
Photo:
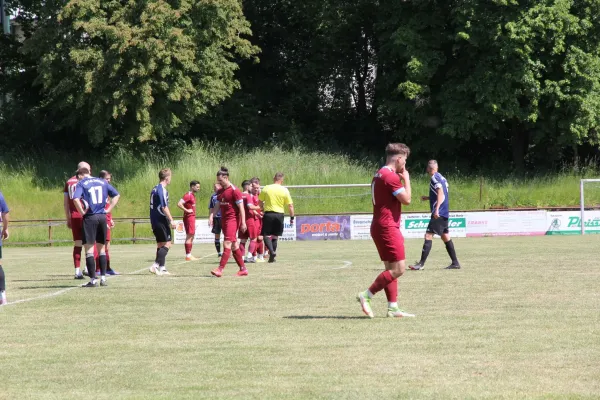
(88, 241)
(101, 247)
(217, 228)
(2, 282)
(236, 250)
(428, 242)
(190, 231)
(450, 249)
(267, 231)
(77, 232)
(162, 233)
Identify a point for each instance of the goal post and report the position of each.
(582, 183)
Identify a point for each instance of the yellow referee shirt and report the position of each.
(275, 197)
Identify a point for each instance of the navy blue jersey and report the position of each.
(159, 199)
(3, 210)
(438, 181)
(94, 192)
(212, 203)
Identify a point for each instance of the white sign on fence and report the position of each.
(506, 223)
(569, 222)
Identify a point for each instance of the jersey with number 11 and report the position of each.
(95, 193)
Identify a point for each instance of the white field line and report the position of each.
(63, 291)
(347, 264)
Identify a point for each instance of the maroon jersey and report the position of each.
(385, 186)
(229, 198)
(69, 190)
(189, 202)
(257, 204)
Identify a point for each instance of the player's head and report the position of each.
(255, 182)
(83, 172)
(83, 164)
(104, 174)
(396, 154)
(164, 175)
(278, 178)
(194, 186)
(216, 187)
(432, 167)
(246, 186)
(223, 177)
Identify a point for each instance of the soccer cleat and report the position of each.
(112, 272)
(417, 266)
(272, 258)
(190, 258)
(154, 270)
(165, 272)
(219, 254)
(453, 266)
(250, 260)
(103, 282)
(242, 272)
(85, 273)
(365, 303)
(90, 284)
(3, 300)
(218, 272)
(398, 313)
(80, 276)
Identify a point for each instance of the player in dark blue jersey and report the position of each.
(439, 202)
(90, 198)
(161, 221)
(214, 218)
(3, 236)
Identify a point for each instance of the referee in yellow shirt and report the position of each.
(273, 199)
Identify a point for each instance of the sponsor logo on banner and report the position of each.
(202, 234)
(360, 227)
(331, 227)
(506, 223)
(569, 222)
(415, 225)
(289, 231)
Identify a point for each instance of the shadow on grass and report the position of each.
(45, 287)
(322, 317)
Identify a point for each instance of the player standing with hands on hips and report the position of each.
(440, 213)
(390, 189)
(94, 192)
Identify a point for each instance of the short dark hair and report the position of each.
(194, 183)
(223, 172)
(103, 174)
(245, 183)
(278, 176)
(83, 171)
(255, 180)
(397, 149)
(164, 173)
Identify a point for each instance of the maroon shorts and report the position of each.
(108, 230)
(230, 228)
(389, 242)
(258, 222)
(252, 231)
(190, 225)
(77, 228)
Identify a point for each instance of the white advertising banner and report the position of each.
(360, 227)
(506, 223)
(203, 232)
(569, 222)
(289, 231)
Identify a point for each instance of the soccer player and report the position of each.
(439, 202)
(188, 205)
(251, 209)
(273, 199)
(229, 199)
(243, 236)
(259, 249)
(74, 218)
(161, 221)
(110, 224)
(214, 218)
(94, 192)
(390, 189)
(3, 236)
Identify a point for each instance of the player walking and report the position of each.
(439, 202)
(214, 218)
(390, 189)
(161, 221)
(273, 200)
(229, 199)
(3, 236)
(94, 192)
(188, 205)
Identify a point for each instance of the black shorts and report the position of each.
(438, 226)
(94, 229)
(162, 231)
(217, 226)
(272, 224)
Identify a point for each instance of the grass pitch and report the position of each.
(520, 320)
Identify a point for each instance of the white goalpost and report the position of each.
(581, 201)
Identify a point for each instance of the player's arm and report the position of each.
(440, 200)
(5, 225)
(66, 199)
(181, 206)
(114, 198)
(240, 205)
(77, 199)
(403, 194)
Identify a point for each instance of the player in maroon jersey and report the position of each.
(259, 249)
(188, 205)
(229, 199)
(390, 189)
(251, 208)
(110, 224)
(74, 219)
